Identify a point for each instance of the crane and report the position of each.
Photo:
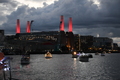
(31, 23)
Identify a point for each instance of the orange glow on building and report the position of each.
(62, 23)
(28, 27)
(70, 25)
(1, 56)
(18, 26)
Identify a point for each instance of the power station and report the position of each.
(47, 40)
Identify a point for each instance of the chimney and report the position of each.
(18, 26)
(62, 23)
(28, 27)
(70, 25)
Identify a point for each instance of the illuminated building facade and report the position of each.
(43, 40)
(38, 41)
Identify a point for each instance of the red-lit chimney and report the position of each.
(18, 26)
(62, 23)
(70, 25)
(28, 27)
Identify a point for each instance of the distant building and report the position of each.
(2, 37)
(103, 43)
(115, 46)
(70, 40)
(86, 42)
(77, 44)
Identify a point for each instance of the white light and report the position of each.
(1, 62)
(96, 2)
(97, 35)
(6, 69)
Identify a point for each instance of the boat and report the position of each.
(96, 53)
(103, 53)
(25, 59)
(48, 55)
(109, 52)
(74, 55)
(84, 57)
(90, 55)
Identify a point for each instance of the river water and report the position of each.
(64, 67)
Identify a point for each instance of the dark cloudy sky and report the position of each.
(90, 17)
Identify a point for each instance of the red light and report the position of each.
(70, 25)
(18, 26)
(28, 27)
(62, 23)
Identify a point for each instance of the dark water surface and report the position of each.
(64, 67)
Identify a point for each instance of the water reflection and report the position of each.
(25, 65)
(75, 65)
(48, 58)
(63, 67)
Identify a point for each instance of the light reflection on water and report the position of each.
(64, 67)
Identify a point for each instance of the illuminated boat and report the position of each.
(74, 55)
(48, 55)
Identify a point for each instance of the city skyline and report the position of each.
(90, 17)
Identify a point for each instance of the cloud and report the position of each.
(5, 1)
(8, 3)
(116, 40)
(88, 18)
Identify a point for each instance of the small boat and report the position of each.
(90, 55)
(74, 55)
(48, 55)
(84, 58)
(96, 53)
(25, 59)
(109, 52)
(103, 53)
